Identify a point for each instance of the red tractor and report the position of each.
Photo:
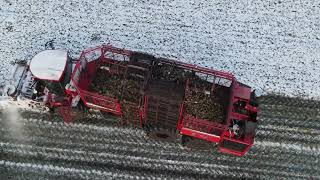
(166, 98)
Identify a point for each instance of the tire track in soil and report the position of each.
(173, 167)
(287, 146)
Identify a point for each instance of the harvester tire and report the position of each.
(253, 99)
(109, 116)
(163, 134)
(52, 110)
(196, 144)
(11, 91)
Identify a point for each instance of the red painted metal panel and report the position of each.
(202, 129)
(200, 135)
(239, 116)
(242, 92)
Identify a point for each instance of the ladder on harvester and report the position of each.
(162, 112)
(163, 108)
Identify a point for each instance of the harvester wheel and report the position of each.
(70, 114)
(162, 134)
(11, 91)
(253, 99)
(51, 110)
(109, 116)
(196, 144)
(82, 107)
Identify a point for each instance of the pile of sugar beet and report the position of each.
(117, 86)
(201, 103)
(198, 102)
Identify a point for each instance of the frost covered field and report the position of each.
(270, 45)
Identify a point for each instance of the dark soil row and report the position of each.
(293, 102)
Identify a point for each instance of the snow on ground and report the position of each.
(270, 45)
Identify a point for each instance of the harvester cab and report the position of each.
(43, 78)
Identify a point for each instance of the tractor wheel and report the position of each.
(162, 134)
